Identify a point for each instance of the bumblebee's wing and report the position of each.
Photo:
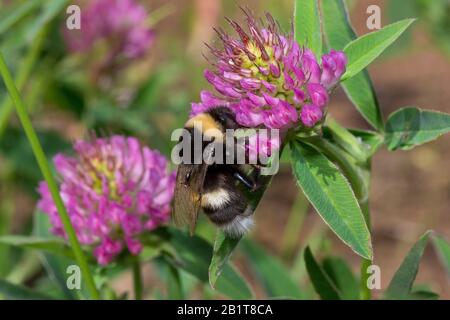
(188, 191)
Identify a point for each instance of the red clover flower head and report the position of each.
(122, 22)
(267, 79)
(114, 189)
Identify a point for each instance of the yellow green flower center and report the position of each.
(98, 170)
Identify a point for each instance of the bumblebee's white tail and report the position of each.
(239, 226)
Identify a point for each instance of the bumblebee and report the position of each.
(219, 188)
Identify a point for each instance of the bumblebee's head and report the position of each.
(225, 117)
(214, 122)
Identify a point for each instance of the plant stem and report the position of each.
(137, 278)
(359, 180)
(289, 241)
(45, 169)
(6, 210)
(364, 291)
(7, 106)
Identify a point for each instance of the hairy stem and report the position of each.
(46, 172)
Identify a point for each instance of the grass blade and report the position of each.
(46, 172)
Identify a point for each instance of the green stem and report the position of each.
(7, 106)
(364, 291)
(45, 169)
(360, 185)
(289, 241)
(137, 278)
(6, 210)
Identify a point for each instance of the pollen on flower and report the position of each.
(266, 78)
(114, 189)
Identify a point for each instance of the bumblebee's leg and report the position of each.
(246, 181)
(250, 181)
(256, 177)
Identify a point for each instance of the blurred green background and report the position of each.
(151, 97)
